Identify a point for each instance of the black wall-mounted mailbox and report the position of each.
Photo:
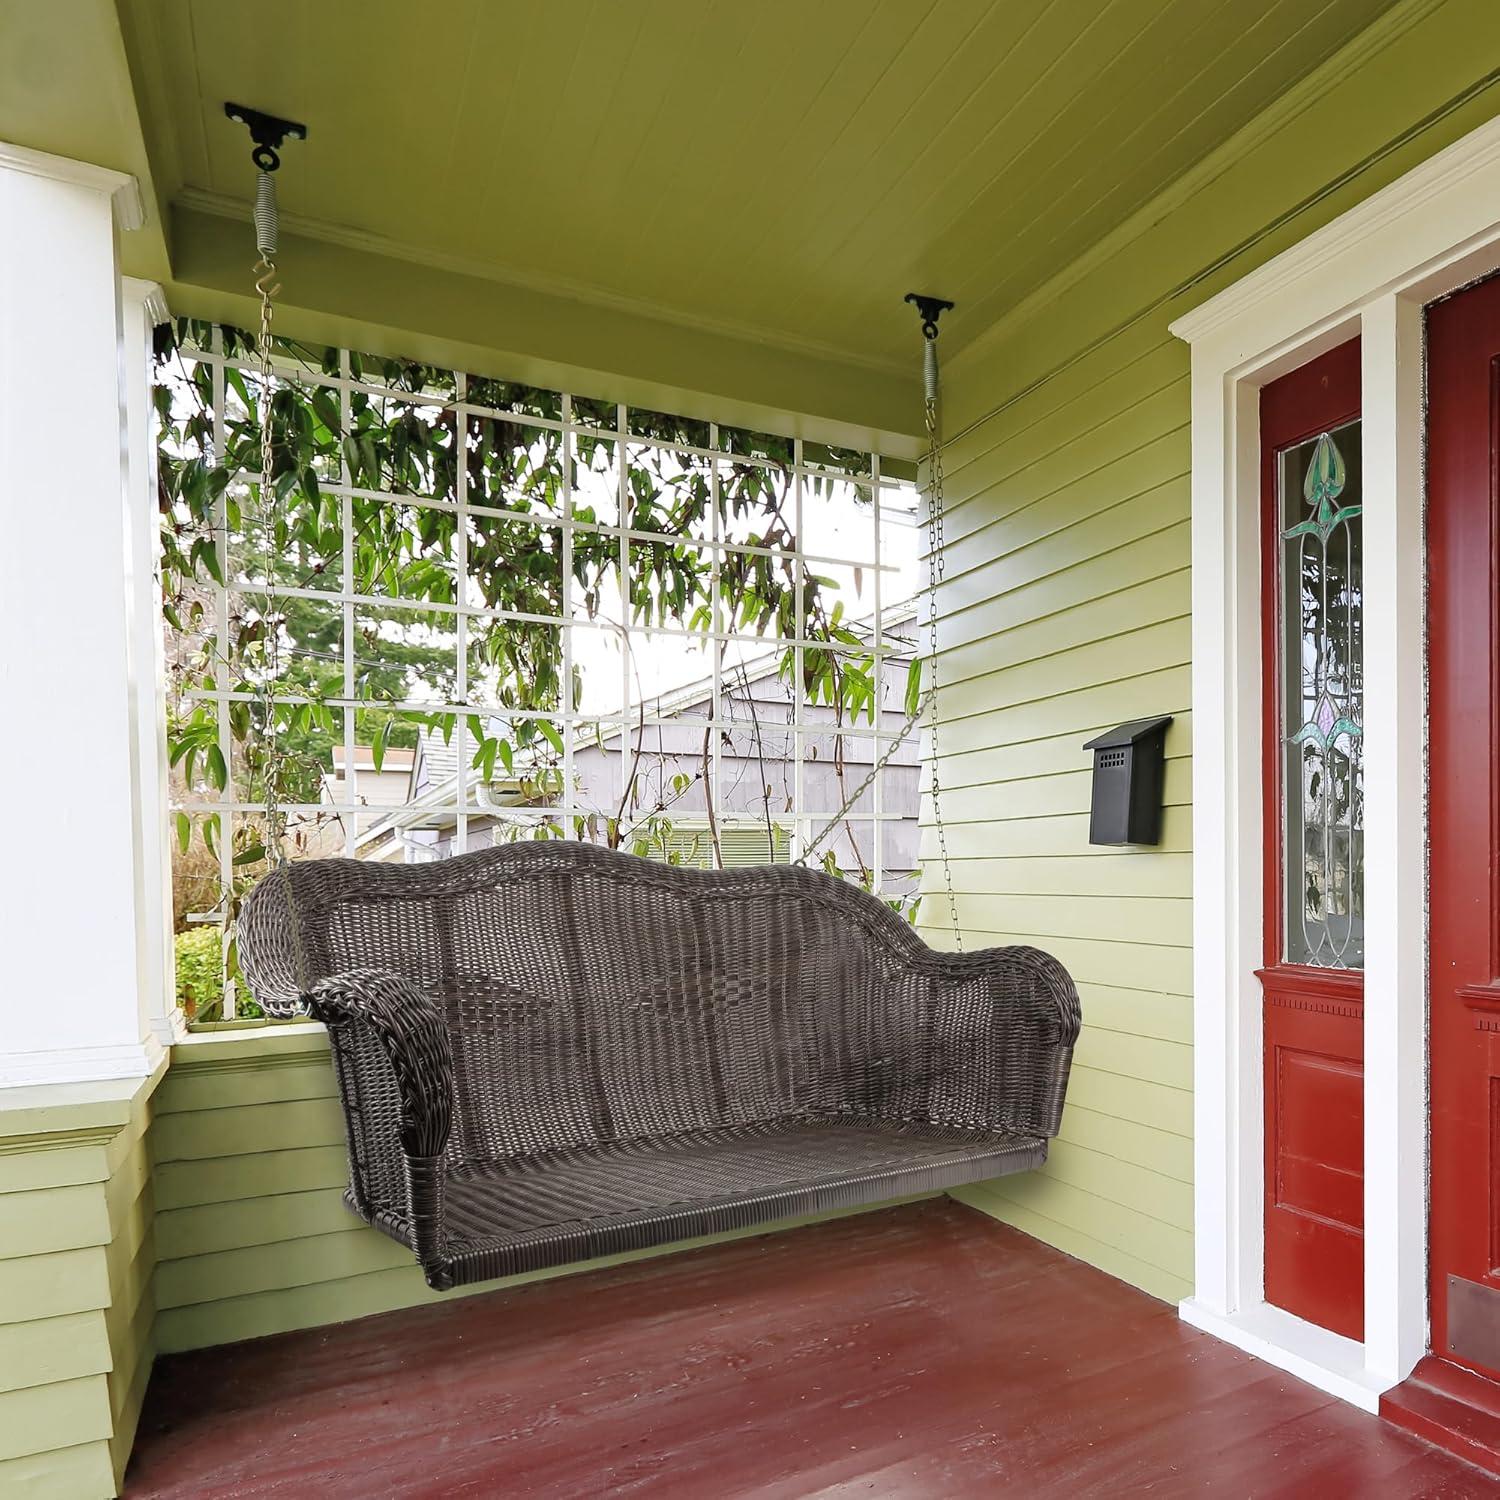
(1129, 763)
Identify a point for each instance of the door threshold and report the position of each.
(1323, 1359)
(1450, 1407)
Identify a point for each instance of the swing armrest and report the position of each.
(412, 1035)
(1002, 1025)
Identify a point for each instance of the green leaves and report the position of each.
(196, 738)
(205, 555)
(484, 758)
(913, 687)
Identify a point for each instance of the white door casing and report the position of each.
(1368, 273)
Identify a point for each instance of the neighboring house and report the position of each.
(387, 787)
(755, 770)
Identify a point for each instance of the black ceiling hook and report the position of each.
(267, 131)
(931, 309)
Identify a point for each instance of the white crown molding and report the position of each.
(223, 206)
(1449, 176)
(151, 297)
(123, 191)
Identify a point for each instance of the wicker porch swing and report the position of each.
(548, 1052)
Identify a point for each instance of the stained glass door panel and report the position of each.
(1322, 613)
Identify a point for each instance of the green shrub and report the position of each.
(200, 972)
(200, 978)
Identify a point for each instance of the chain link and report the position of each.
(936, 565)
(927, 703)
(902, 735)
(265, 272)
(273, 759)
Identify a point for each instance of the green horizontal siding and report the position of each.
(63, 1218)
(38, 1418)
(1066, 608)
(53, 1285)
(130, 1318)
(76, 1271)
(31, 1169)
(78, 1472)
(41, 1351)
(248, 1129)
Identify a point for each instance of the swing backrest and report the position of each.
(593, 996)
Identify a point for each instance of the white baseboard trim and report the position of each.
(80, 1064)
(1326, 1360)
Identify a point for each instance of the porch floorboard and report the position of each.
(914, 1352)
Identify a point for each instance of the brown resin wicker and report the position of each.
(550, 1051)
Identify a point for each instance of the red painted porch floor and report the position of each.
(922, 1351)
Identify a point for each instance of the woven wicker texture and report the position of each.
(550, 1051)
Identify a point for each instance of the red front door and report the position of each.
(1464, 708)
(1313, 979)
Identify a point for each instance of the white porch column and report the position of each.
(71, 922)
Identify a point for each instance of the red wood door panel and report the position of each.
(1312, 984)
(1319, 1098)
(1314, 1101)
(1464, 999)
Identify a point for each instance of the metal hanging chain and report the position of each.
(269, 133)
(274, 758)
(930, 308)
(902, 735)
(936, 565)
(266, 287)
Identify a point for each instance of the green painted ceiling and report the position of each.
(777, 170)
(712, 206)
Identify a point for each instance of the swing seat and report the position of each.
(548, 1052)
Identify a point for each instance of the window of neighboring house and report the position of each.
(501, 612)
(709, 847)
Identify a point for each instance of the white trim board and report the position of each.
(1369, 272)
(123, 191)
(69, 1065)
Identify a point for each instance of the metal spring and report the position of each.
(267, 221)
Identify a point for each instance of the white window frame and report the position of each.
(1370, 272)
